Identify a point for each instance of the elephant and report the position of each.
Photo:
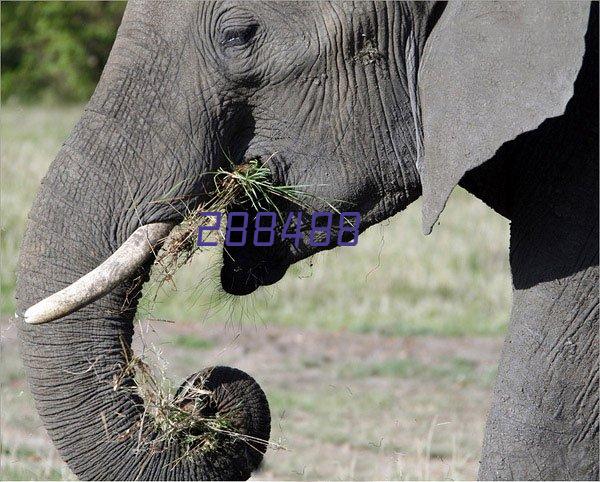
(369, 105)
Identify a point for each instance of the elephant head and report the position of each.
(364, 104)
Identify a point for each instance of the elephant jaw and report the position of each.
(248, 267)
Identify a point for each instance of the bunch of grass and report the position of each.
(248, 184)
(185, 416)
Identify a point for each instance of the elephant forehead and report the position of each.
(160, 16)
(345, 21)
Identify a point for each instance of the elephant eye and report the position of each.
(238, 35)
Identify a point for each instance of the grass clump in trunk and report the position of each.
(189, 416)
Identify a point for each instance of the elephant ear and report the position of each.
(490, 71)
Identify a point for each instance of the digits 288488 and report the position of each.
(265, 228)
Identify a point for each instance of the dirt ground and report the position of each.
(344, 405)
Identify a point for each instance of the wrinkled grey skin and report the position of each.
(331, 88)
(543, 422)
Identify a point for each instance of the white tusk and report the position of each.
(121, 265)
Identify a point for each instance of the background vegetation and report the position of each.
(377, 360)
(55, 51)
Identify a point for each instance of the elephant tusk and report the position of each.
(121, 265)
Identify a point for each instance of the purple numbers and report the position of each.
(348, 233)
(215, 227)
(326, 230)
(263, 228)
(260, 230)
(296, 236)
(235, 234)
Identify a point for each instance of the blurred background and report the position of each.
(55, 51)
(377, 360)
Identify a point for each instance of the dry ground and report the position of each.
(345, 406)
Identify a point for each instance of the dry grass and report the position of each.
(187, 415)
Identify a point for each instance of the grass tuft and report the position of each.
(187, 416)
(248, 184)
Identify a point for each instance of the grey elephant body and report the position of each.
(543, 422)
(333, 89)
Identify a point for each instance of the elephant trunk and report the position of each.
(78, 366)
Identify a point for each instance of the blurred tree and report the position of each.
(55, 50)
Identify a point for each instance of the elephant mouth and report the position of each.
(248, 267)
(245, 270)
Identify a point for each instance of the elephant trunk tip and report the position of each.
(219, 417)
